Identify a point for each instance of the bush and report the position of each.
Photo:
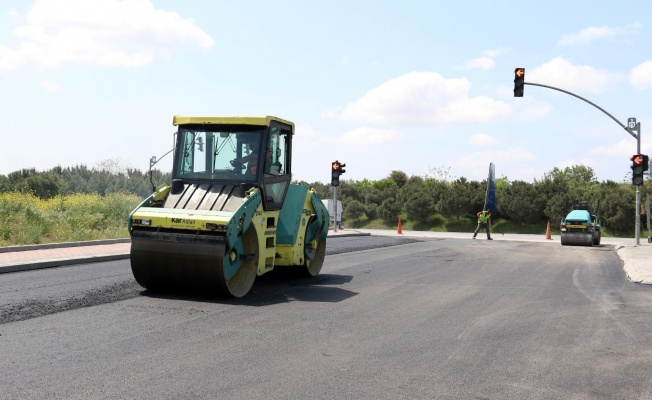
(26, 219)
(389, 211)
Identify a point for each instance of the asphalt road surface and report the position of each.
(388, 318)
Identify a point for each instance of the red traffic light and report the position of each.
(335, 173)
(338, 166)
(519, 81)
(640, 164)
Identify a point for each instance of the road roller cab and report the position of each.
(230, 213)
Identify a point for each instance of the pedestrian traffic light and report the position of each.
(337, 169)
(519, 81)
(640, 164)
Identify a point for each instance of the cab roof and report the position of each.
(579, 215)
(256, 121)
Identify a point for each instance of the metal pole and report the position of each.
(647, 214)
(638, 189)
(334, 208)
(591, 103)
(638, 215)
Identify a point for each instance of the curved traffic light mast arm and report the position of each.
(636, 136)
(591, 103)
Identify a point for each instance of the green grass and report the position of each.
(26, 219)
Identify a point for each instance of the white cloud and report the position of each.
(423, 98)
(516, 154)
(494, 52)
(306, 134)
(365, 135)
(50, 86)
(305, 130)
(560, 73)
(625, 148)
(534, 110)
(482, 139)
(505, 160)
(641, 75)
(480, 63)
(592, 33)
(485, 62)
(111, 33)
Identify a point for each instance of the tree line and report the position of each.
(103, 180)
(428, 201)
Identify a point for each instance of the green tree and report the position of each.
(564, 187)
(436, 188)
(45, 186)
(372, 201)
(385, 185)
(420, 206)
(349, 191)
(413, 185)
(456, 200)
(371, 210)
(389, 211)
(617, 208)
(354, 210)
(322, 190)
(477, 192)
(520, 201)
(399, 177)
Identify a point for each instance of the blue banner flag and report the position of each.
(490, 197)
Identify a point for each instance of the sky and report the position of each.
(423, 87)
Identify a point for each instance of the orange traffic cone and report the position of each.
(399, 231)
(548, 237)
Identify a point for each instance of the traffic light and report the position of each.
(519, 81)
(640, 164)
(337, 169)
(646, 162)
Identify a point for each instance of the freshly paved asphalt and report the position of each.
(637, 259)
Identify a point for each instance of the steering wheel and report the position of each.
(238, 164)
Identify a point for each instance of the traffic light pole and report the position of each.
(337, 169)
(334, 208)
(633, 126)
(638, 215)
(647, 214)
(638, 189)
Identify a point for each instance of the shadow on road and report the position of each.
(274, 288)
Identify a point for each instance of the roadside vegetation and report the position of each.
(27, 219)
(78, 203)
(441, 203)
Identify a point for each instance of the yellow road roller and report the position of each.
(230, 213)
